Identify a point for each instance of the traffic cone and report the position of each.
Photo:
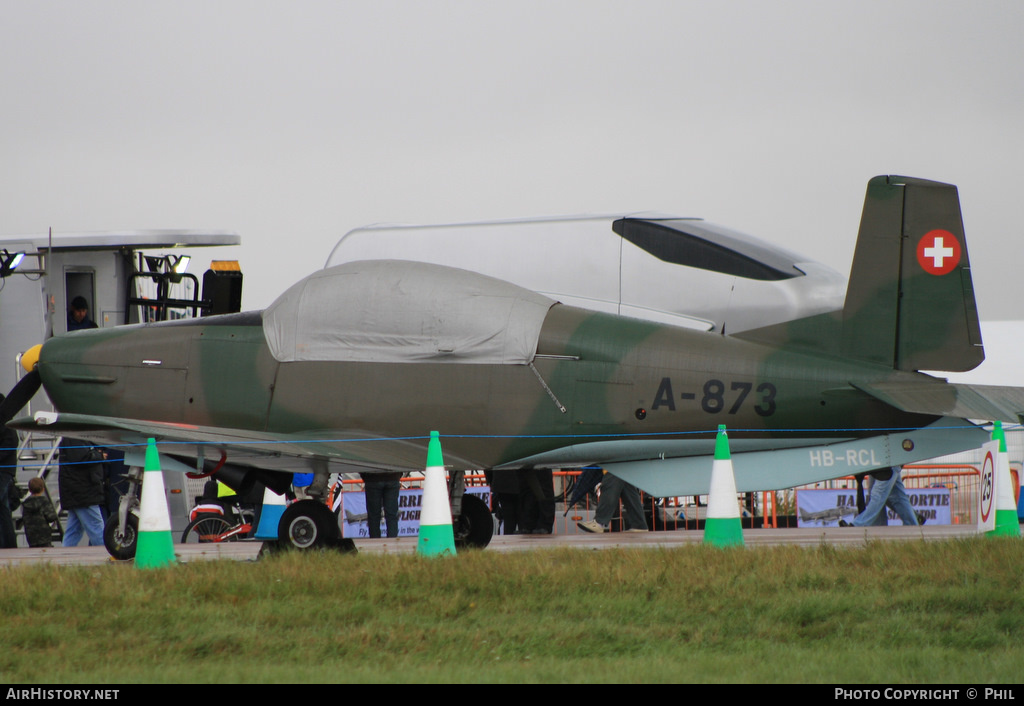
(270, 515)
(1007, 524)
(436, 536)
(155, 547)
(723, 527)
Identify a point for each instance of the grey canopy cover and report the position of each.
(394, 311)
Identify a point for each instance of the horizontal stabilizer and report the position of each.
(982, 402)
(788, 468)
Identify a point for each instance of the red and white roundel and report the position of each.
(938, 252)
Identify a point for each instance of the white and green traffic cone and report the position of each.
(723, 527)
(155, 548)
(1007, 524)
(436, 536)
(270, 515)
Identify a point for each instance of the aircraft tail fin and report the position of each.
(910, 300)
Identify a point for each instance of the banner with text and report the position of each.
(354, 524)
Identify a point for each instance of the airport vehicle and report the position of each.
(123, 277)
(353, 366)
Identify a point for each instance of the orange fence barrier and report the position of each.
(962, 481)
(768, 509)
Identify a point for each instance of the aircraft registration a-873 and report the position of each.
(351, 368)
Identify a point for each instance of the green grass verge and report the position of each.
(893, 612)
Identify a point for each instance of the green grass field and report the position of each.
(893, 612)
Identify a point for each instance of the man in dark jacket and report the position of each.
(78, 315)
(81, 491)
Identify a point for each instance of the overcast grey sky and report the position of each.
(294, 122)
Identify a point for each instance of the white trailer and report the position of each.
(125, 277)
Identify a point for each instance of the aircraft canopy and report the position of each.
(391, 311)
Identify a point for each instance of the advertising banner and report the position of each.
(353, 519)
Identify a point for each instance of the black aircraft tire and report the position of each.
(308, 524)
(476, 525)
(125, 549)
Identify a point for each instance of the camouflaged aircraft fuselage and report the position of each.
(616, 378)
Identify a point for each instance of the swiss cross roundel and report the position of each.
(938, 252)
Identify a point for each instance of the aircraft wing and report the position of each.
(299, 452)
(984, 402)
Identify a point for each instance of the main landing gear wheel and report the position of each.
(308, 524)
(121, 545)
(475, 526)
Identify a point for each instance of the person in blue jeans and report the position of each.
(80, 482)
(886, 491)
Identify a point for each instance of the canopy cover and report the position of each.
(393, 311)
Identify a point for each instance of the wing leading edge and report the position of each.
(301, 452)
